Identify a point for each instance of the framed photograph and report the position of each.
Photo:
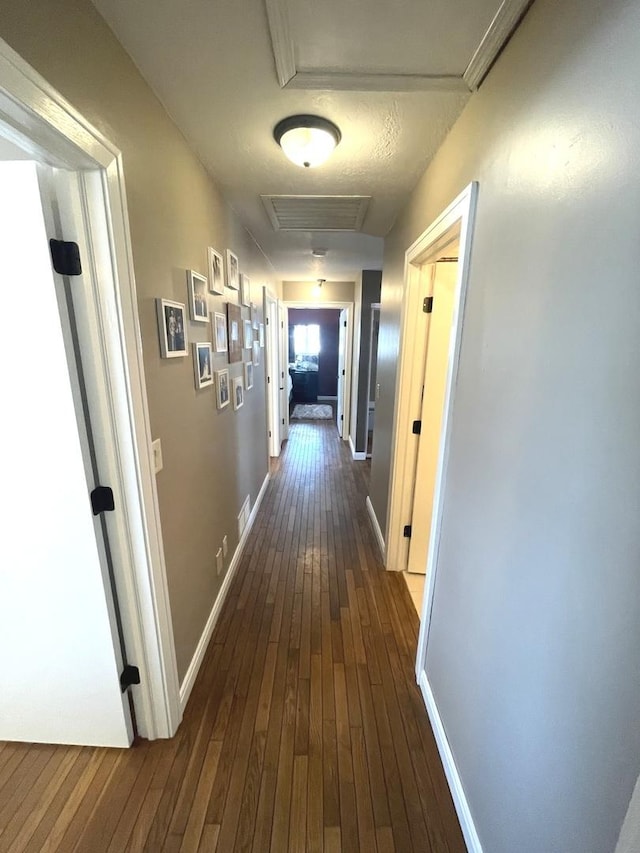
(233, 274)
(256, 353)
(254, 316)
(237, 390)
(219, 322)
(197, 296)
(234, 331)
(248, 375)
(171, 328)
(245, 289)
(248, 334)
(222, 388)
(216, 271)
(261, 334)
(202, 364)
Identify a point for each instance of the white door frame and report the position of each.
(272, 373)
(348, 358)
(38, 119)
(458, 217)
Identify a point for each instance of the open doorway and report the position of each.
(432, 323)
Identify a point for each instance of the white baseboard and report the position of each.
(376, 527)
(358, 455)
(196, 661)
(451, 771)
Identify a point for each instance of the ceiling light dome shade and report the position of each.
(307, 141)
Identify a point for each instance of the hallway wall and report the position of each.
(212, 459)
(533, 650)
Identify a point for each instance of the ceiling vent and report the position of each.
(316, 212)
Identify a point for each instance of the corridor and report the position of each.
(305, 730)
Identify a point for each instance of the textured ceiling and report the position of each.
(212, 65)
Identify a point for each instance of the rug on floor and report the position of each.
(312, 411)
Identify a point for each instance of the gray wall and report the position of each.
(212, 460)
(533, 652)
(371, 284)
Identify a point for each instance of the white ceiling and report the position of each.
(218, 72)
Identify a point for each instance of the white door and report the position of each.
(342, 360)
(273, 375)
(283, 372)
(61, 661)
(434, 389)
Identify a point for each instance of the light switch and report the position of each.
(156, 450)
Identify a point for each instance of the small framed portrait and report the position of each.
(202, 364)
(256, 353)
(237, 389)
(245, 289)
(248, 334)
(234, 332)
(219, 322)
(197, 285)
(261, 334)
(233, 271)
(254, 316)
(222, 388)
(248, 375)
(216, 271)
(172, 328)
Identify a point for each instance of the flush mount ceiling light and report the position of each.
(307, 141)
(319, 253)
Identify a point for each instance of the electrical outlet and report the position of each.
(156, 451)
(219, 561)
(225, 545)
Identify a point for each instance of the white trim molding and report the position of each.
(503, 26)
(357, 455)
(376, 527)
(460, 802)
(35, 116)
(290, 76)
(196, 661)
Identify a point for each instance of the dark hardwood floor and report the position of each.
(305, 730)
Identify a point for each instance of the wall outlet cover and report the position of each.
(219, 561)
(225, 545)
(156, 455)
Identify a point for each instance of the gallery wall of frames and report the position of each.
(234, 333)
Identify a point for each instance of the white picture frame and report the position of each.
(223, 395)
(233, 271)
(248, 334)
(197, 286)
(248, 375)
(245, 290)
(219, 327)
(261, 334)
(256, 353)
(237, 392)
(202, 364)
(215, 263)
(172, 328)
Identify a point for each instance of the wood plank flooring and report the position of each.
(305, 732)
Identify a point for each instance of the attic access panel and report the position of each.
(316, 212)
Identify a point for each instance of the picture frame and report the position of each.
(261, 334)
(237, 391)
(233, 274)
(254, 316)
(215, 262)
(248, 375)
(219, 324)
(245, 290)
(198, 286)
(234, 332)
(172, 328)
(222, 388)
(256, 353)
(202, 361)
(248, 334)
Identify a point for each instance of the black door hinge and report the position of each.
(65, 257)
(427, 304)
(344, 324)
(283, 422)
(416, 428)
(343, 372)
(130, 675)
(267, 321)
(341, 417)
(406, 531)
(102, 500)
